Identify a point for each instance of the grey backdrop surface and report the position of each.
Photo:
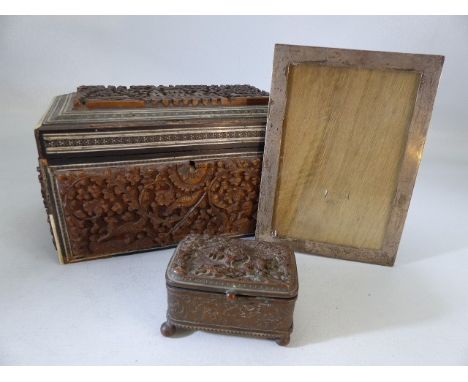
(109, 311)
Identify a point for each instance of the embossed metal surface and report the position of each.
(124, 180)
(260, 317)
(138, 139)
(242, 266)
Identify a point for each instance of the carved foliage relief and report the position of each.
(110, 210)
(94, 97)
(258, 264)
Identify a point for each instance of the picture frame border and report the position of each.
(429, 67)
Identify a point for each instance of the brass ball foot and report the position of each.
(283, 341)
(167, 329)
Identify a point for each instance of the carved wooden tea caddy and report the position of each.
(132, 169)
(231, 286)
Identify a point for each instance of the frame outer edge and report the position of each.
(429, 65)
(413, 154)
(273, 134)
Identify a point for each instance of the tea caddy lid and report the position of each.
(240, 267)
(119, 106)
(103, 121)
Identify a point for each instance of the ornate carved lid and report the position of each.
(150, 96)
(245, 267)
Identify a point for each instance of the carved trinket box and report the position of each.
(132, 169)
(231, 286)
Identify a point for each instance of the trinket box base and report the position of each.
(223, 324)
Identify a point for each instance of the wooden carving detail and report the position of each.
(96, 97)
(259, 263)
(119, 209)
(194, 308)
(82, 142)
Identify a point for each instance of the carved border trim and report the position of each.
(430, 67)
(105, 141)
(227, 330)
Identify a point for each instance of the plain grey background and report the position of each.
(109, 311)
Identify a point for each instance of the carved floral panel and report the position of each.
(118, 209)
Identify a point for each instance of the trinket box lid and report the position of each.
(241, 267)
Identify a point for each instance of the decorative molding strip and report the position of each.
(105, 141)
(240, 332)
